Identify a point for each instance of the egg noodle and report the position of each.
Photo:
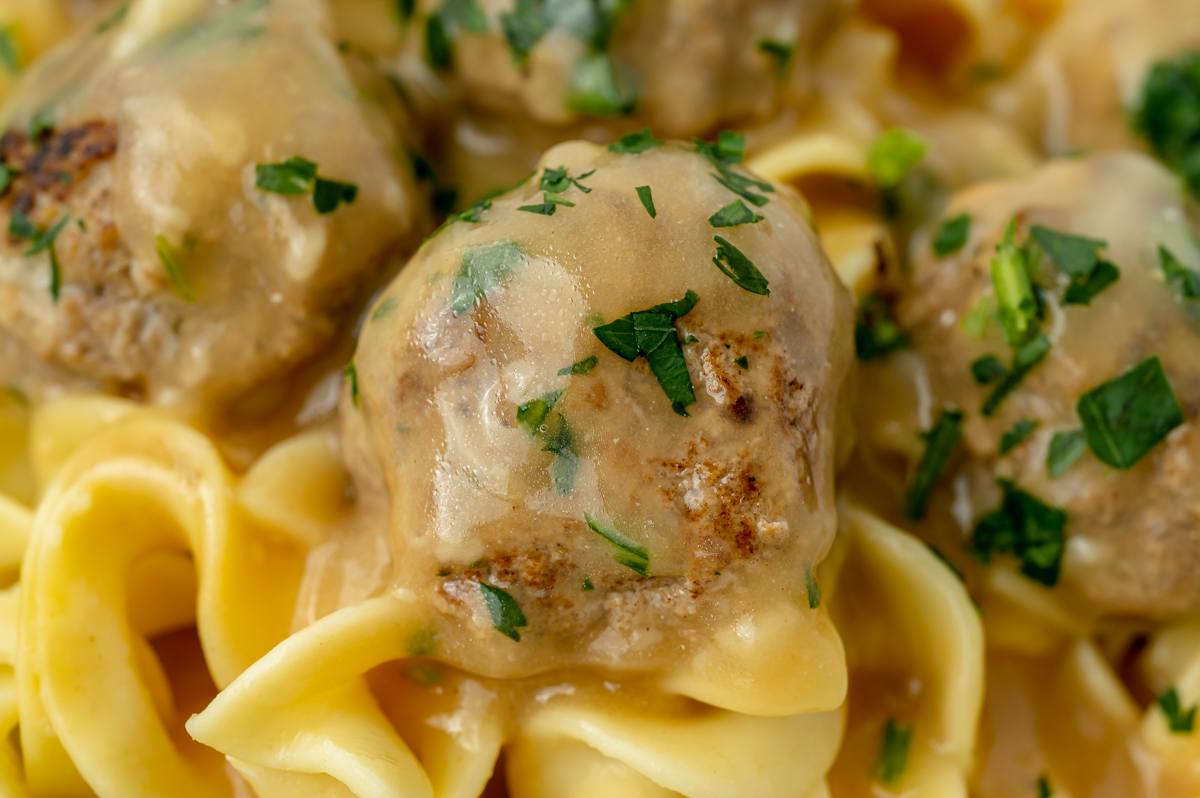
(197, 606)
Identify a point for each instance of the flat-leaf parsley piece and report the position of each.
(1174, 270)
(1017, 307)
(893, 754)
(1080, 258)
(940, 442)
(951, 235)
(559, 440)
(651, 334)
(1027, 527)
(779, 52)
(893, 154)
(1044, 790)
(506, 613)
(634, 143)
(1065, 449)
(548, 205)
(582, 367)
(593, 88)
(632, 555)
(524, 27)
(297, 177)
(174, 270)
(532, 414)
(1017, 434)
(352, 376)
(729, 149)
(812, 589)
(559, 180)
(1129, 415)
(1024, 359)
(875, 330)
(1168, 116)
(743, 362)
(987, 369)
(647, 199)
(1083, 291)
(737, 267)
(483, 268)
(734, 214)
(19, 226)
(1179, 721)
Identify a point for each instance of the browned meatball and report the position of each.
(171, 273)
(1133, 536)
(620, 511)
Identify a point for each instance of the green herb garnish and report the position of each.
(1065, 449)
(594, 89)
(483, 268)
(779, 52)
(1168, 115)
(1082, 291)
(1024, 359)
(420, 643)
(173, 268)
(352, 375)
(1129, 415)
(532, 414)
(297, 176)
(737, 267)
(524, 27)
(940, 441)
(506, 613)
(1012, 271)
(405, 9)
(548, 205)
(438, 50)
(1178, 720)
(19, 226)
(1080, 258)
(647, 200)
(893, 754)
(385, 308)
(651, 334)
(113, 19)
(1026, 526)
(743, 362)
(734, 214)
(729, 149)
(634, 143)
(632, 555)
(875, 330)
(582, 367)
(1017, 434)
(1174, 271)
(987, 369)
(10, 52)
(560, 441)
(893, 155)
(951, 235)
(1043, 787)
(587, 584)
(811, 588)
(559, 180)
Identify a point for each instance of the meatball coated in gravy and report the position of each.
(145, 253)
(566, 398)
(680, 66)
(1133, 536)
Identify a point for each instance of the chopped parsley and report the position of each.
(632, 555)
(10, 52)
(647, 200)
(940, 442)
(438, 51)
(1027, 527)
(174, 270)
(442, 197)
(405, 9)
(811, 588)
(420, 643)
(875, 330)
(893, 154)
(20, 227)
(779, 52)
(743, 361)
(1173, 270)
(558, 180)
(506, 613)
(1012, 269)
(1129, 415)
(651, 334)
(1065, 449)
(524, 27)
(7, 173)
(1168, 115)
(1179, 721)
(483, 268)
(951, 235)
(737, 267)
(548, 205)
(595, 90)
(1024, 359)
(587, 583)
(582, 367)
(634, 143)
(41, 123)
(730, 149)
(385, 308)
(757, 335)
(560, 441)
(987, 369)
(532, 414)
(297, 176)
(1080, 258)
(893, 754)
(1081, 292)
(734, 214)
(1043, 787)
(1017, 434)
(352, 375)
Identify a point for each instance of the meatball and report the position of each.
(1088, 71)
(1133, 536)
(681, 67)
(584, 397)
(148, 251)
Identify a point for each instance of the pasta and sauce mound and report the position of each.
(571, 398)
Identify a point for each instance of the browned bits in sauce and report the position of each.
(55, 163)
